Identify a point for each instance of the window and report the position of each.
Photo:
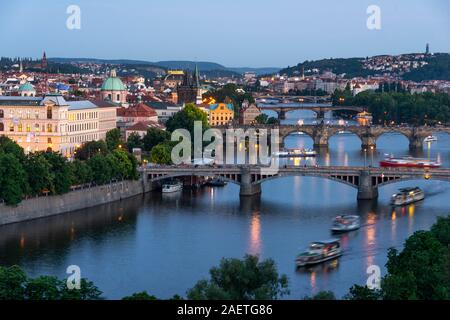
(49, 112)
(19, 127)
(11, 127)
(28, 128)
(49, 128)
(118, 97)
(2, 126)
(1, 113)
(36, 127)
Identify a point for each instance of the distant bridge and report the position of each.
(365, 179)
(294, 99)
(320, 110)
(321, 133)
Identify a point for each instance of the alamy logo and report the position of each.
(74, 278)
(374, 18)
(374, 279)
(73, 21)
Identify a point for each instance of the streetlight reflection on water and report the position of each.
(255, 234)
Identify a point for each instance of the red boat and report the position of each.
(409, 162)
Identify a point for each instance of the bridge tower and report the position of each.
(366, 189)
(320, 136)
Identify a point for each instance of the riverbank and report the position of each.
(41, 207)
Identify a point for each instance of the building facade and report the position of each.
(220, 114)
(52, 123)
(248, 113)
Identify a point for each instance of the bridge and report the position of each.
(294, 99)
(320, 110)
(366, 180)
(368, 135)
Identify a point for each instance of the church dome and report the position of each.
(26, 87)
(113, 83)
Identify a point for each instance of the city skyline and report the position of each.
(158, 32)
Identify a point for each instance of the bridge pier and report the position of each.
(415, 143)
(366, 190)
(248, 188)
(368, 142)
(282, 115)
(320, 138)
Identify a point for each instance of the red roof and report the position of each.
(139, 110)
(144, 125)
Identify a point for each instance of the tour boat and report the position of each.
(172, 187)
(319, 252)
(216, 182)
(409, 162)
(295, 153)
(430, 139)
(407, 195)
(345, 223)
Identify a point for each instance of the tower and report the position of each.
(44, 66)
(198, 99)
(44, 62)
(427, 49)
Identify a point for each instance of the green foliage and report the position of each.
(62, 175)
(81, 172)
(13, 179)
(322, 295)
(40, 173)
(43, 288)
(101, 170)
(113, 139)
(12, 283)
(185, 119)
(246, 279)
(161, 153)
(11, 147)
(438, 68)
(87, 291)
(441, 230)
(134, 141)
(90, 149)
(421, 271)
(264, 119)
(400, 107)
(140, 296)
(153, 137)
(363, 293)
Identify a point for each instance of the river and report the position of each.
(164, 244)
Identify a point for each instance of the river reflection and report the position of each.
(165, 243)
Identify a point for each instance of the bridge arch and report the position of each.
(232, 178)
(337, 178)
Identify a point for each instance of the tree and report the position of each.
(40, 175)
(101, 170)
(140, 296)
(121, 164)
(153, 137)
(162, 153)
(12, 283)
(246, 279)
(421, 271)
(134, 141)
(87, 291)
(11, 147)
(185, 119)
(261, 118)
(13, 179)
(363, 293)
(113, 139)
(90, 149)
(43, 288)
(81, 172)
(322, 295)
(62, 175)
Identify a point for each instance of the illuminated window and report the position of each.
(49, 112)
(49, 128)
(11, 127)
(28, 128)
(19, 127)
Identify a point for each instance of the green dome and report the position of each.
(26, 87)
(113, 83)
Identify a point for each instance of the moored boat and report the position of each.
(409, 162)
(430, 139)
(288, 153)
(318, 252)
(407, 195)
(172, 187)
(216, 182)
(345, 223)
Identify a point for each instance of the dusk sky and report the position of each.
(255, 33)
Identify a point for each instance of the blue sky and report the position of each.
(234, 33)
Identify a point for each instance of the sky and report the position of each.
(235, 33)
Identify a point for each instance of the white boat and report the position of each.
(319, 252)
(172, 187)
(430, 139)
(295, 153)
(345, 223)
(407, 195)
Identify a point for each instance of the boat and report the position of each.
(295, 153)
(318, 252)
(407, 195)
(430, 139)
(172, 187)
(216, 182)
(409, 162)
(345, 223)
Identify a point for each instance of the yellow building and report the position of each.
(52, 123)
(220, 114)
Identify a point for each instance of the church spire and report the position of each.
(196, 75)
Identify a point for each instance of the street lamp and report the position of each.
(371, 154)
(365, 157)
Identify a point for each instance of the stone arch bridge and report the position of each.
(320, 110)
(366, 180)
